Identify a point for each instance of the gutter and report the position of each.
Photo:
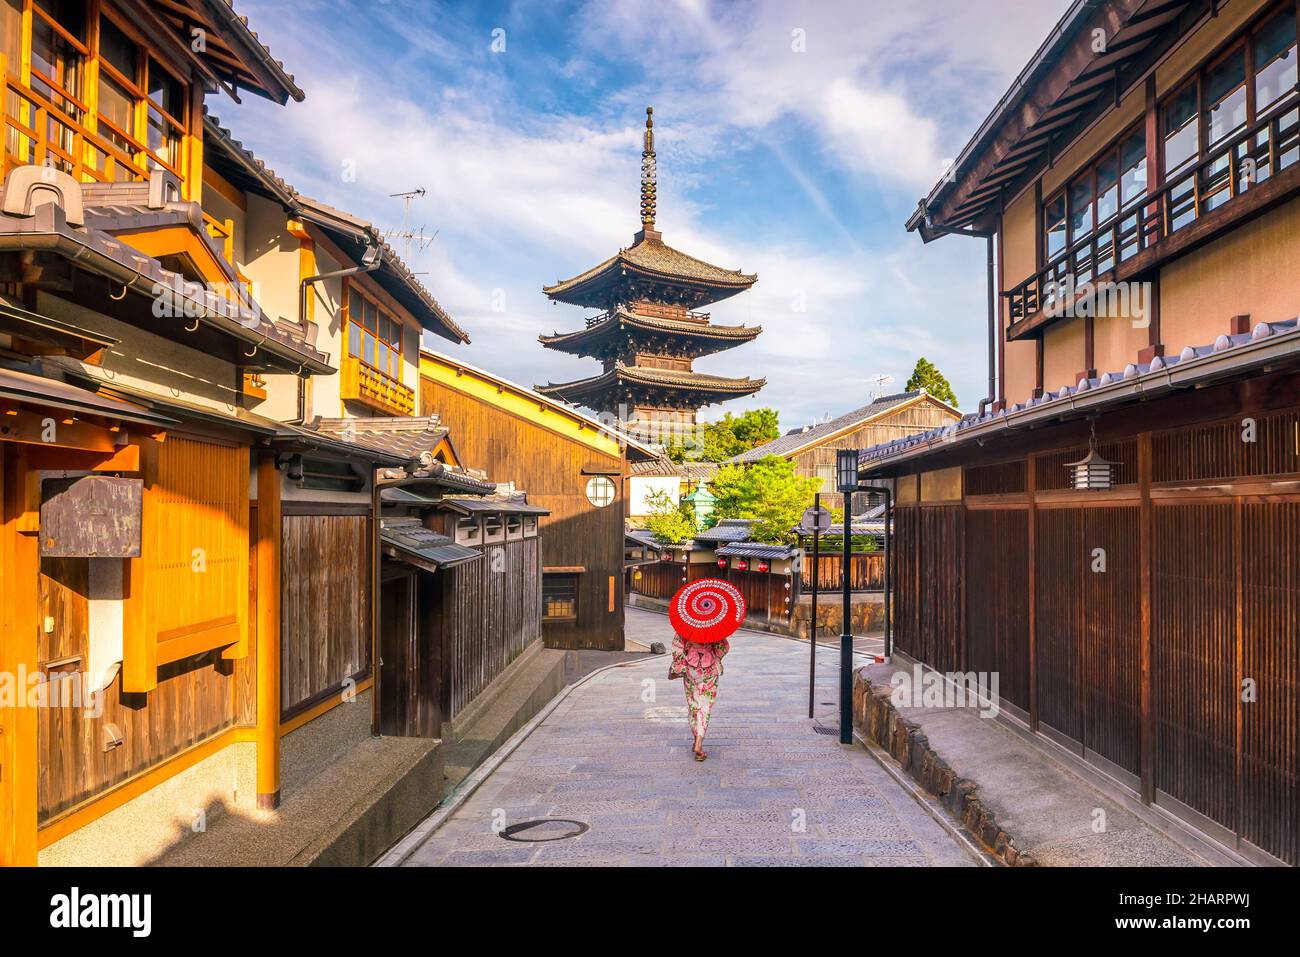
(1189, 373)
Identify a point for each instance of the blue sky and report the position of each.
(793, 141)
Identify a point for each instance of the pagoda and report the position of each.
(649, 330)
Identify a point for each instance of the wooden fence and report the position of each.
(867, 571)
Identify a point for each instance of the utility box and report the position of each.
(92, 516)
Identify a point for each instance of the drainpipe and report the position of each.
(889, 524)
(987, 235)
(371, 260)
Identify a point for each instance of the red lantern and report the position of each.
(742, 564)
(722, 563)
(762, 566)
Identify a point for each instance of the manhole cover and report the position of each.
(544, 829)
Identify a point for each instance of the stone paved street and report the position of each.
(615, 755)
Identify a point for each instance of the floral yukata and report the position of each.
(699, 667)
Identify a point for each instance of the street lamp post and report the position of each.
(846, 473)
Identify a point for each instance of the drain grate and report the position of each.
(544, 829)
(822, 729)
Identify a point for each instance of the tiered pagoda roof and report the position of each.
(622, 328)
(648, 334)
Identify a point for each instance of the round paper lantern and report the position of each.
(706, 610)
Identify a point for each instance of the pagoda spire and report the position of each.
(649, 173)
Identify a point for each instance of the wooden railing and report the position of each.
(366, 385)
(1234, 167)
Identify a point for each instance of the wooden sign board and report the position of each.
(92, 516)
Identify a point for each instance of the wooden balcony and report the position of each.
(363, 384)
(1242, 177)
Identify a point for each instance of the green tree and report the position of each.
(767, 491)
(927, 376)
(668, 521)
(729, 436)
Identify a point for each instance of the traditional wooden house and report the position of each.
(812, 448)
(571, 465)
(1117, 531)
(461, 596)
(125, 348)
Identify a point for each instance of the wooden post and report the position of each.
(268, 632)
(1031, 481)
(18, 654)
(1145, 530)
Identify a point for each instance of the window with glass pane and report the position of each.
(1275, 60)
(1225, 97)
(1133, 167)
(1180, 129)
(1107, 189)
(354, 340)
(559, 597)
(1054, 227)
(1080, 209)
(117, 49)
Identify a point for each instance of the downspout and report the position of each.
(371, 260)
(886, 491)
(988, 236)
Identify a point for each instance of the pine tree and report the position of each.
(927, 376)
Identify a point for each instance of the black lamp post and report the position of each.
(846, 474)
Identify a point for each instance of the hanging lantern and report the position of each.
(665, 556)
(762, 566)
(742, 564)
(1092, 471)
(722, 563)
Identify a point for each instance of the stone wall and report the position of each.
(866, 614)
(876, 719)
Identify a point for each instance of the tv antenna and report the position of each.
(881, 382)
(410, 237)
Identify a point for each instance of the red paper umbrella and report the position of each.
(706, 610)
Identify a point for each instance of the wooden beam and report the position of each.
(1031, 484)
(1145, 530)
(268, 632)
(18, 654)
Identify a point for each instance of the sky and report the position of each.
(793, 140)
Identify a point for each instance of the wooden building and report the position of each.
(572, 465)
(1145, 199)
(812, 448)
(649, 331)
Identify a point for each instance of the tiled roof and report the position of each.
(621, 319)
(757, 550)
(411, 540)
(652, 256)
(695, 471)
(697, 381)
(225, 10)
(514, 504)
(409, 436)
(406, 286)
(727, 530)
(1195, 364)
(797, 439)
(98, 251)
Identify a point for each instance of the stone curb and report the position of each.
(878, 721)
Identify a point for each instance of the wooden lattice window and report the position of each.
(559, 597)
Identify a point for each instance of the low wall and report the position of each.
(878, 721)
(866, 614)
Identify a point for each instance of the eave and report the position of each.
(698, 338)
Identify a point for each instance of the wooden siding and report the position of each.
(491, 612)
(997, 606)
(920, 417)
(1201, 544)
(189, 587)
(867, 571)
(550, 467)
(324, 606)
(192, 702)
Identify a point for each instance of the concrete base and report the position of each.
(1026, 808)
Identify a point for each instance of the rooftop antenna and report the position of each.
(881, 381)
(404, 232)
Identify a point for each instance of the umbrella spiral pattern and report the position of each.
(707, 610)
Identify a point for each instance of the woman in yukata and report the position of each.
(699, 666)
